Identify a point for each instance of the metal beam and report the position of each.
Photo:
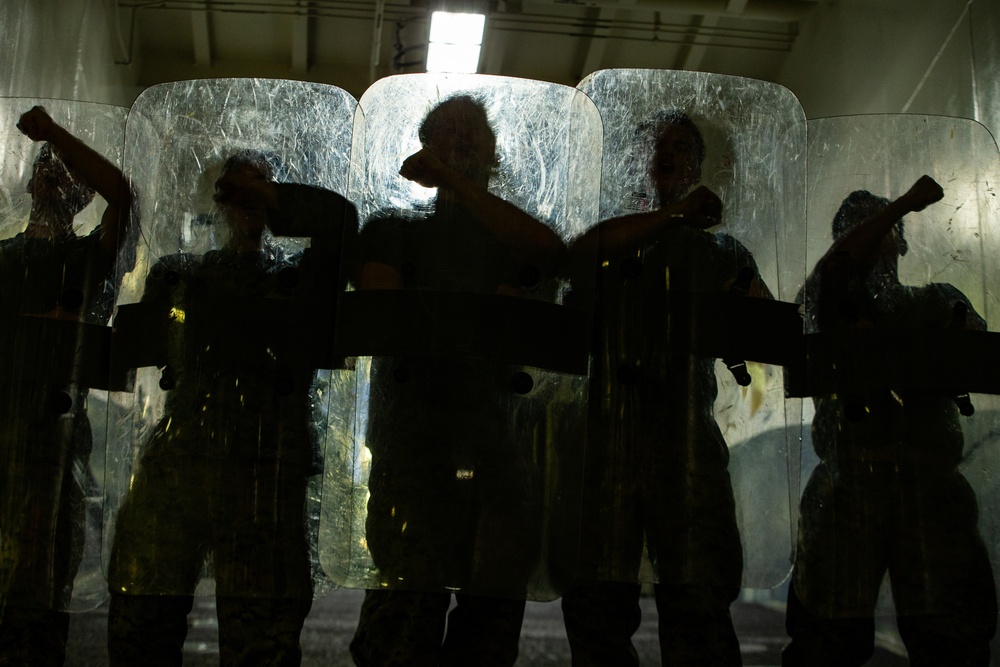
(492, 56)
(376, 53)
(201, 36)
(783, 11)
(597, 42)
(300, 38)
(693, 54)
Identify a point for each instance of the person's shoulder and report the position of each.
(733, 248)
(942, 295)
(729, 242)
(698, 244)
(13, 242)
(945, 290)
(167, 273)
(389, 218)
(66, 247)
(387, 223)
(180, 263)
(935, 304)
(90, 242)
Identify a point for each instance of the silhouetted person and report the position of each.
(48, 273)
(887, 495)
(225, 472)
(656, 462)
(453, 489)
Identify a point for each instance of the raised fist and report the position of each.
(36, 124)
(424, 168)
(702, 208)
(924, 192)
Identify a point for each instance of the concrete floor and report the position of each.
(331, 623)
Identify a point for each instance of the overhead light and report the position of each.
(455, 42)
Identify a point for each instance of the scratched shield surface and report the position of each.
(753, 137)
(222, 336)
(901, 477)
(461, 466)
(54, 374)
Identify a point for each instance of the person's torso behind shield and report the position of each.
(886, 497)
(52, 284)
(223, 477)
(453, 490)
(447, 418)
(656, 459)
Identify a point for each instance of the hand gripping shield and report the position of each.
(688, 460)
(225, 327)
(460, 465)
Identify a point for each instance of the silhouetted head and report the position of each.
(678, 151)
(242, 205)
(860, 205)
(266, 163)
(52, 184)
(458, 132)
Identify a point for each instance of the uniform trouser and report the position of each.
(455, 502)
(151, 629)
(251, 519)
(435, 533)
(695, 626)
(407, 629)
(919, 525)
(671, 492)
(42, 532)
(700, 557)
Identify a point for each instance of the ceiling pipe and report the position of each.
(763, 10)
(376, 53)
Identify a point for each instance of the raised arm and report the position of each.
(527, 237)
(702, 209)
(88, 165)
(861, 243)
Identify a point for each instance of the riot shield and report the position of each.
(461, 465)
(691, 445)
(57, 296)
(224, 328)
(898, 345)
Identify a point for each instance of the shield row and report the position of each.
(480, 334)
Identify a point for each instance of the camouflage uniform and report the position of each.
(887, 497)
(45, 438)
(656, 462)
(453, 486)
(223, 478)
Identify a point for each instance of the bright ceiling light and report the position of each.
(455, 42)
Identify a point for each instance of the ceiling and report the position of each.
(337, 41)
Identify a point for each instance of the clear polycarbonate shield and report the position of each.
(56, 298)
(460, 465)
(691, 439)
(225, 329)
(900, 453)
